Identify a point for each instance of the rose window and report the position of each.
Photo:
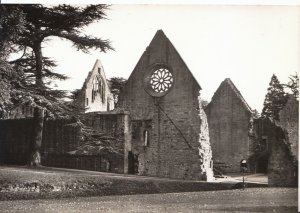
(161, 80)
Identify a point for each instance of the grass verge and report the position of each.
(27, 183)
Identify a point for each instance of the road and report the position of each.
(248, 200)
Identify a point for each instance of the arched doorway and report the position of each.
(262, 164)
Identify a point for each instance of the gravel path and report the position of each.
(248, 200)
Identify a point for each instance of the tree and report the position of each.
(116, 85)
(293, 85)
(275, 99)
(11, 24)
(40, 23)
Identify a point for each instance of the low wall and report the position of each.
(85, 162)
(61, 136)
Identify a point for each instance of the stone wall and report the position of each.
(274, 145)
(228, 120)
(261, 137)
(281, 169)
(93, 99)
(61, 136)
(283, 162)
(16, 136)
(172, 121)
(289, 121)
(115, 124)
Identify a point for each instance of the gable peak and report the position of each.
(228, 82)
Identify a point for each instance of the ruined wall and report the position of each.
(281, 169)
(283, 161)
(172, 120)
(61, 136)
(96, 97)
(228, 119)
(16, 136)
(289, 121)
(261, 137)
(274, 145)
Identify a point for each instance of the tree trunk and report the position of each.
(38, 64)
(35, 156)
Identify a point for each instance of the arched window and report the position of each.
(98, 86)
(95, 88)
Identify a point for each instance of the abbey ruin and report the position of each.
(160, 128)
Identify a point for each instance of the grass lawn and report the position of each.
(283, 200)
(44, 182)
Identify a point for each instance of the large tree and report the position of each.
(275, 99)
(40, 23)
(11, 24)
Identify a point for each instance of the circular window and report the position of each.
(158, 80)
(161, 80)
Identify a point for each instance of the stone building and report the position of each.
(95, 93)
(169, 128)
(274, 146)
(228, 116)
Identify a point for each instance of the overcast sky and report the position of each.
(244, 43)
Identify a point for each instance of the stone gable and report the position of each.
(166, 118)
(95, 93)
(228, 120)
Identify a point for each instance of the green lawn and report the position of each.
(26, 183)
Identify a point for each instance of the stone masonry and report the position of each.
(228, 119)
(283, 161)
(95, 94)
(168, 136)
(274, 146)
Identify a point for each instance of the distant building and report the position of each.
(228, 116)
(95, 94)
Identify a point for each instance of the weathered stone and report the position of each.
(205, 152)
(95, 94)
(166, 123)
(274, 146)
(228, 117)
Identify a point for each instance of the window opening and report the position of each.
(161, 80)
(95, 88)
(146, 138)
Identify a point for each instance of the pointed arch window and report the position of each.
(98, 86)
(95, 88)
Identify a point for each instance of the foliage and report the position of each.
(255, 114)
(40, 23)
(293, 85)
(116, 85)
(11, 24)
(25, 28)
(275, 99)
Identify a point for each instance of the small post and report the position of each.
(244, 168)
(243, 181)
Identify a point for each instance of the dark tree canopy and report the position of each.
(116, 85)
(293, 85)
(25, 28)
(275, 99)
(11, 24)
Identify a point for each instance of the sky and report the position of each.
(247, 44)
